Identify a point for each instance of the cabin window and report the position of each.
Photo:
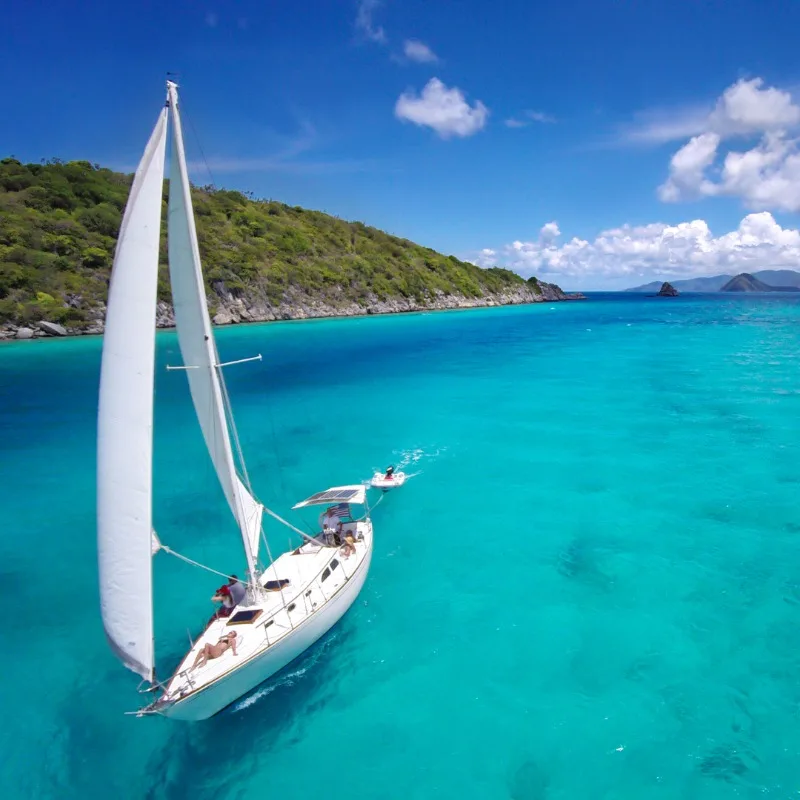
(268, 623)
(334, 564)
(326, 574)
(292, 607)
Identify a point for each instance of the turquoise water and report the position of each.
(590, 590)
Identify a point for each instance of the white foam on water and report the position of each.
(408, 458)
(415, 455)
(289, 679)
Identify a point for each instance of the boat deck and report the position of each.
(315, 574)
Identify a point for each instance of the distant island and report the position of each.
(667, 290)
(263, 260)
(749, 283)
(774, 280)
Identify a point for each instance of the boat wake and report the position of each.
(284, 680)
(408, 458)
(415, 456)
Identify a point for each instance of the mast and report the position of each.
(198, 347)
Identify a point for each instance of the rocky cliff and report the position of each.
(234, 309)
(262, 259)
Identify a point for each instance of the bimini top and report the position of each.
(337, 494)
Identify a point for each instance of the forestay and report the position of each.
(196, 340)
(125, 420)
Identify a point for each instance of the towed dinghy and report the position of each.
(388, 480)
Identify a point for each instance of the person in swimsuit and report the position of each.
(228, 641)
(349, 546)
(389, 474)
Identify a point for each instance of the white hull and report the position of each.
(379, 481)
(214, 697)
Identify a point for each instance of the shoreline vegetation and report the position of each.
(263, 260)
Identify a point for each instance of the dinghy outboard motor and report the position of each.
(387, 480)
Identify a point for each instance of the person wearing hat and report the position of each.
(230, 595)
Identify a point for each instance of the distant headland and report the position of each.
(263, 260)
(768, 280)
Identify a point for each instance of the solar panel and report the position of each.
(329, 495)
(337, 494)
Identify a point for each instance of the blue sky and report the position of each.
(598, 144)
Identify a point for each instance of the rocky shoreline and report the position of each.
(231, 309)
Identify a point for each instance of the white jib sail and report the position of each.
(196, 340)
(125, 420)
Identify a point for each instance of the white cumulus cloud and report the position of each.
(657, 250)
(415, 50)
(486, 257)
(765, 175)
(687, 168)
(748, 107)
(445, 110)
(549, 232)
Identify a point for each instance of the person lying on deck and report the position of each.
(228, 641)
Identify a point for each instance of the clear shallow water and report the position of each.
(592, 588)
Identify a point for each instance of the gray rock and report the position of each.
(165, 316)
(25, 333)
(52, 328)
(225, 317)
(234, 306)
(667, 290)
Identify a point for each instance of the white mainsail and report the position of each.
(125, 420)
(196, 340)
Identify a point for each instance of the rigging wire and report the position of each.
(228, 409)
(226, 398)
(188, 118)
(194, 563)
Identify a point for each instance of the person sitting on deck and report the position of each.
(210, 651)
(230, 595)
(237, 589)
(389, 474)
(349, 546)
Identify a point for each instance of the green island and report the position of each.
(262, 259)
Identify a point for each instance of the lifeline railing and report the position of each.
(305, 591)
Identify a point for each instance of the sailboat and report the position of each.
(296, 598)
